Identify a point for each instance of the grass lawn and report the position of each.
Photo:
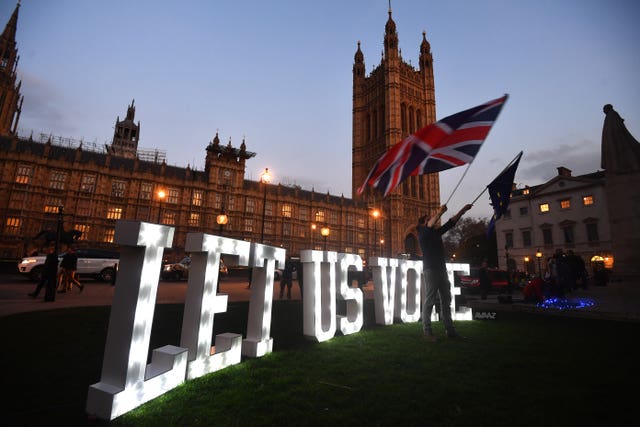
(518, 370)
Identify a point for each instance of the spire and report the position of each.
(390, 38)
(11, 27)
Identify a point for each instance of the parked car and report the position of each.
(180, 270)
(98, 264)
(499, 279)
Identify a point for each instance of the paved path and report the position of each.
(618, 300)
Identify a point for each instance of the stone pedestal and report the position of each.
(623, 200)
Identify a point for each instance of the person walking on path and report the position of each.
(435, 270)
(69, 266)
(286, 279)
(49, 272)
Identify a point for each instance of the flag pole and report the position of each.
(458, 184)
(503, 170)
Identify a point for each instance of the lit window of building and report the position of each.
(13, 225)
(52, 205)
(544, 207)
(169, 217)
(84, 229)
(196, 197)
(174, 196)
(194, 218)
(108, 235)
(565, 204)
(24, 174)
(320, 216)
(114, 212)
(286, 210)
(587, 200)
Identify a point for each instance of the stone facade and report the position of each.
(392, 102)
(47, 180)
(566, 212)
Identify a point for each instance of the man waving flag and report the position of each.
(450, 142)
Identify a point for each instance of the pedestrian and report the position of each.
(49, 271)
(300, 276)
(435, 270)
(485, 281)
(69, 270)
(286, 280)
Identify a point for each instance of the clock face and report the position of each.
(227, 173)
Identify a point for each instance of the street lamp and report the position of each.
(526, 264)
(222, 219)
(381, 246)
(375, 213)
(539, 256)
(324, 231)
(265, 177)
(161, 196)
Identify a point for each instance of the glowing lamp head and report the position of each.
(222, 219)
(265, 177)
(325, 231)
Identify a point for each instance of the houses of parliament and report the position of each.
(47, 181)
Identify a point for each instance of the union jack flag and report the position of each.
(450, 142)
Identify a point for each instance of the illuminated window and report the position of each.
(24, 174)
(13, 225)
(146, 190)
(52, 205)
(108, 235)
(587, 200)
(174, 196)
(286, 210)
(565, 204)
(319, 216)
(88, 183)
(544, 207)
(118, 188)
(197, 197)
(57, 180)
(84, 229)
(114, 212)
(525, 191)
(169, 217)
(250, 207)
(194, 218)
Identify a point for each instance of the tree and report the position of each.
(469, 242)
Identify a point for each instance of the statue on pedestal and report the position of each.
(620, 150)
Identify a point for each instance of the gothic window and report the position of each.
(57, 180)
(169, 217)
(24, 174)
(218, 202)
(83, 208)
(84, 229)
(114, 212)
(196, 197)
(303, 214)
(13, 225)
(286, 210)
(52, 205)
(333, 217)
(320, 216)
(146, 190)
(118, 188)
(248, 225)
(88, 183)
(194, 219)
(250, 207)
(174, 196)
(108, 235)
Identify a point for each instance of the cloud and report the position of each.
(539, 166)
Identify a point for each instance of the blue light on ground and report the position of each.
(564, 303)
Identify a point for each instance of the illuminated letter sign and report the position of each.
(384, 291)
(319, 297)
(352, 322)
(408, 280)
(263, 262)
(127, 381)
(202, 302)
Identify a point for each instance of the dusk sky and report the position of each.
(279, 74)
